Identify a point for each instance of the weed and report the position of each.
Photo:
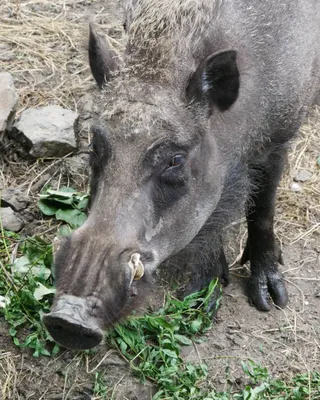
(100, 388)
(263, 386)
(25, 287)
(67, 205)
(26, 284)
(151, 344)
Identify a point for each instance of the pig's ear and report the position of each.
(216, 81)
(103, 60)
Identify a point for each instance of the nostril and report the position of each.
(57, 327)
(133, 291)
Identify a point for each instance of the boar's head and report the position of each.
(157, 176)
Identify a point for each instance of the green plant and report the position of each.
(26, 284)
(100, 388)
(263, 386)
(26, 290)
(67, 205)
(151, 344)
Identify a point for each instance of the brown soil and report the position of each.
(43, 46)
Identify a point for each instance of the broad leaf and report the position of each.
(42, 291)
(74, 218)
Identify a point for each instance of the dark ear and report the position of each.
(216, 81)
(103, 60)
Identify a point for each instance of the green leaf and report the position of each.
(47, 207)
(64, 191)
(196, 325)
(55, 349)
(42, 291)
(123, 346)
(44, 352)
(74, 218)
(23, 266)
(170, 353)
(12, 331)
(64, 230)
(83, 203)
(183, 339)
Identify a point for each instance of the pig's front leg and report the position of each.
(262, 249)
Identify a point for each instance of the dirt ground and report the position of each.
(43, 45)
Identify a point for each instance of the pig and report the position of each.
(197, 117)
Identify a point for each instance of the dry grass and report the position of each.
(9, 375)
(43, 44)
(298, 213)
(44, 47)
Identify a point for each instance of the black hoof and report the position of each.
(260, 288)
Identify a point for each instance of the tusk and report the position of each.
(139, 272)
(136, 267)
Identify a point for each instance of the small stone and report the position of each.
(40, 183)
(46, 131)
(8, 102)
(218, 346)
(6, 54)
(10, 220)
(14, 198)
(87, 105)
(295, 187)
(303, 176)
(114, 359)
(77, 165)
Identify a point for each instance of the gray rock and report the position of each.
(303, 176)
(295, 187)
(47, 131)
(8, 102)
(77, 165)
(14, 198)
(36, 187)
(6, 54)
(11, 220)
(87, 105)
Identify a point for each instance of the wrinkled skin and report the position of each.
(179, 150)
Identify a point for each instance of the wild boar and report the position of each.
(197, 118)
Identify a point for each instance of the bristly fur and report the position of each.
(164, 44)
(159, 29)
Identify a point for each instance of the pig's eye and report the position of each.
(172, 183)
(174, 174)
(176, 161)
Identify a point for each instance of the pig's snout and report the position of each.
(71, 333)
(71, 325)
